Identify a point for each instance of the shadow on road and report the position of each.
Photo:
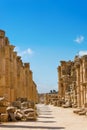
(45, 117)
(44, 114)
(45, 111)
(32, 127)
(47, 121)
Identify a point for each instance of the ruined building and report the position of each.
(16, 78)
(72, 81)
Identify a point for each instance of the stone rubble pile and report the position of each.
(20, 109)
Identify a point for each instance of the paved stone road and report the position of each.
(50, 118)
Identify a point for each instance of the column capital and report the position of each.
(12, 47)
(2, 34)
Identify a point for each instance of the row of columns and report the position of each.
(16, 78)
(72, 78)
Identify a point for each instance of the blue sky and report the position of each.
(45, 32)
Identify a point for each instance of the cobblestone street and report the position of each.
(50, 118)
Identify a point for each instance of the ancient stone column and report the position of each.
(59, 82)
(22, 90)
(78, 85)
(27, 88)
(81, 81)
(12, 73)
(18, 77)
(30, 85)
(84, 82)
(15, 74)
(8, 71)
(2, 63)
(34, 92)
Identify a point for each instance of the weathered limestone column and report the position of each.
(81, 80)
(22, 89)
(63, 74)
(18, 77)
(85, 93)
(30, 86)
(34, 92)
(74, 90)
(11, 73)
(27, 89)
(37, 96)
(59, 82)
(8, 71)
(84, 59)
(15, 74)
(2, 64)
(24, 82)
(78, 86)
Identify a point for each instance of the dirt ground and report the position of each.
(50, 118)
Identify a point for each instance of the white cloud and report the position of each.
(27, 52)
(79, 39)
(82, 53)
(24, 53)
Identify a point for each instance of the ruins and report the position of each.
(72, 81)
(16, 78)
